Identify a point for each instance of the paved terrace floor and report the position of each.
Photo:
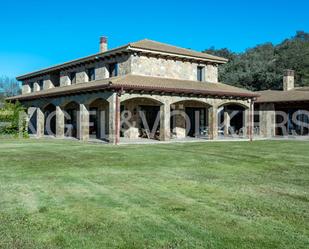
(126, 141)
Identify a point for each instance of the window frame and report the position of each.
(200, 74)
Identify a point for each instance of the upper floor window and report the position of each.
(31, 85)
(91, 74)
(113, 69)
(41, 83)
(200, 73)
(73, 78)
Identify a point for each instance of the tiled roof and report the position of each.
(143, 83)
(186, 85)
(271, 96)
(166, 48)
(148, 45)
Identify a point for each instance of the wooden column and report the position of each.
(117, 120)
(251, 121)
(246, 122)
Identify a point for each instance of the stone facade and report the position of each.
(267, 122)
(168, 68)
(128, 64)
(101, 70)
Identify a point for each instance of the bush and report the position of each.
(13, 119)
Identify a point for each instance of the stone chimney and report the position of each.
(288, 80)
(103, 44)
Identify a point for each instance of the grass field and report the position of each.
(65, 194)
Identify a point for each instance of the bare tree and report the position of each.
(9, 86)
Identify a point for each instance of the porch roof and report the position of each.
(294, 95)
(144, 84)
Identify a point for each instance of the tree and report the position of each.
(262, 67)
(9, 86)
(294, 54)
(1, 98)
(12, 119)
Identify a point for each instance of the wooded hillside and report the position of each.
(261, 67)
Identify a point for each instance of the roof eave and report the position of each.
(118, 87)
(69, 63)
(280, 101)
(185, 91)
(216, 60)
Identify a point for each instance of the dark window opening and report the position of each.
(55, 78)
(41, 83)
(197, 117)
(73, 78)
(91, 74)
(113, 69)
(200, 73)
(31, 85)
(151, 114)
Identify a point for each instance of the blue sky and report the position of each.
(38, 34)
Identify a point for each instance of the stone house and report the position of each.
(108, 95)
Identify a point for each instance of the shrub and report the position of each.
(13, 119)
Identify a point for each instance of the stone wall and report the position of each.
(25, 89)
(129, 64)
(47, 83)
(169, 68)
(211, 73)
(101, 70)
(267, 121)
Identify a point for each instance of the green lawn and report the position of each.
(65, 194)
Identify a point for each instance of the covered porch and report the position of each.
(126, 117)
